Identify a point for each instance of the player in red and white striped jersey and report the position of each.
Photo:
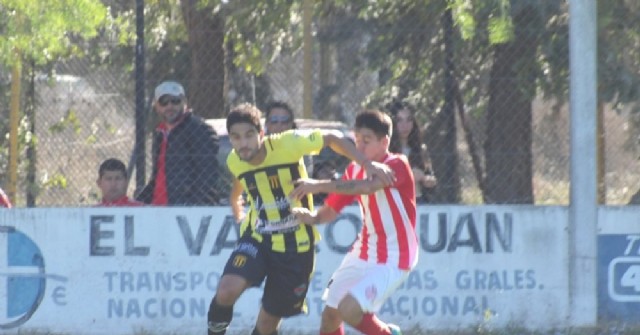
(387, 246)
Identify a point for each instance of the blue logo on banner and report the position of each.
(22, 277)
(619, 277)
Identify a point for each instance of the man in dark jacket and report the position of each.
(185, 168)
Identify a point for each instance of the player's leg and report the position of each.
(245, 268)
(366, 323)
(267, 324)
(365, 298)
(331, 323)
(348, 274)
(285, 288)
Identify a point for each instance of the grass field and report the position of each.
(617, 329)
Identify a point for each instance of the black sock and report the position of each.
(218, 318)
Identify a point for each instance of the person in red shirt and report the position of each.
(4, 200)
(184, 150)
(113, 181)
(387, 246)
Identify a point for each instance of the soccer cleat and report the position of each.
(395, 330)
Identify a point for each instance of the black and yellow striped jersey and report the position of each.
(268, 185)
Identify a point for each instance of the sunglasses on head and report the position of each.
(279, 119)
(166, 99)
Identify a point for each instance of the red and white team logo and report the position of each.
(371, 293)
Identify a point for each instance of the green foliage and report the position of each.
(463, 17)
(261, 30)
(54, 181)
(45, 30)
(500, 30)
(403, 40)
(618, 44)
(70, 120)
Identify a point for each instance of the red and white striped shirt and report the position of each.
(388, 234)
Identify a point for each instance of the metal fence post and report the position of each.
(583, 207)
(139, 149)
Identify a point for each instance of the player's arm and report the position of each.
(346, 148)
(236, 201)
(323, 215)
(305, 186)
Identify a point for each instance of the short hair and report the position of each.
(112, 164)
(245, 113)
(283, 105)
(379, 122)
(279, 104)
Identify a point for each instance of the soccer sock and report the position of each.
(218, 318)
(371, 325)
(339, 331)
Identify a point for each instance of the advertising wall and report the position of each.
(124, 270)
(619, 264)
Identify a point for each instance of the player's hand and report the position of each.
(380, 171)
(304, 215)
(240, 218)
(304, 186)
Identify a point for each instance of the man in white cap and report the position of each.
(185, 168)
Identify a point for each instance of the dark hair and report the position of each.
(417, 151)
(245, 113)
(279, 104)
(282, 105)
(377, 121)
(112, 164)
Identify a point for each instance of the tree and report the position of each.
(508, 148)
(40, 32)
(206, 30)
(47, 30)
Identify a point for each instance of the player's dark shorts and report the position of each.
(287, 275)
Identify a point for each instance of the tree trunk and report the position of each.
(206, 40)
(442, 134)
(508, 153)
(31, 154)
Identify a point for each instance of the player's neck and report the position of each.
(380, 157)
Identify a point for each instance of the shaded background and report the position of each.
(489, 80)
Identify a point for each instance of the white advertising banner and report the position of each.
(154, 270)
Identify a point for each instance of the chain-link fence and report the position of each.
(488, 82)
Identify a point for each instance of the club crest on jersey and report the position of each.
(274, 181)
(371, 293)
(239, 261)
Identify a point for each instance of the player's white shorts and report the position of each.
(369, 283)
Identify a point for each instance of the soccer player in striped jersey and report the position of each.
(387, 246)
(273, 246)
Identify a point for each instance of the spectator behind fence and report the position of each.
(4, 200)
(279, 117)
(113, 181)
(407, 140)
(185, 168)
